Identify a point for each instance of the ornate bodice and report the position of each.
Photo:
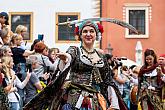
(150, 79)
(83, 71)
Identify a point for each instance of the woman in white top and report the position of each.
(12, 79)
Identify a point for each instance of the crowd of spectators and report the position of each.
(23, 72)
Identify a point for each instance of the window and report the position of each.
(137, 19)
(22, 18)
(64, 32)
(137, 16)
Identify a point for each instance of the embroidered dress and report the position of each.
(150, 97)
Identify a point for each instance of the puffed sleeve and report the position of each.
(72, 50)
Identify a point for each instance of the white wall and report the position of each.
(44, 14)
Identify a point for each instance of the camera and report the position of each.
(29, 68)
(118, 63)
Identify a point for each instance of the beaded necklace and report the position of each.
(94, 50)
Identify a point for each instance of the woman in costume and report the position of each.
(90, 83)
(150, 82)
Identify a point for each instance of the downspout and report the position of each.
(101, 22)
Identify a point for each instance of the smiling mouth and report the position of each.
(88, 37)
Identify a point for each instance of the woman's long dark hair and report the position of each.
(147, 53)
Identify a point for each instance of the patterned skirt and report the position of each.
(81, 97)
(151, 100)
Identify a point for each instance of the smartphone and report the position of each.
(48, 69)
(29, 67)
(40, 37)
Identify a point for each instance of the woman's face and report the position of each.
(150, 60)
(53, 55)
(45, 52)
(2, 20)
(18, 41)
(24, 33)
(11, 64)
(88, 35)
(8, 52)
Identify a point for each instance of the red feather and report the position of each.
(100, 28)
(76, 31)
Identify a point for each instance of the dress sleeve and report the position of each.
(71, 55)
(106, 73)
(72, 50)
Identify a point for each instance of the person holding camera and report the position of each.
(44, 64)
(34, 83)
(118, 77)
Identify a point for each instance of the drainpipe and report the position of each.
(101, 22)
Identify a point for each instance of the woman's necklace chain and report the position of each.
(88, 51)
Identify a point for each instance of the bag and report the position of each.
(18, 98)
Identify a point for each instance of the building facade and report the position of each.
(146, 15)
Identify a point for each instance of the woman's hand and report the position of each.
(163, 78)
(158, 69)
(28, 75)
(46, 75)
(62, 56)
(13, 78)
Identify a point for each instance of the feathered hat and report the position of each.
(97, 26)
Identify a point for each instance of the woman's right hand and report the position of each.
(28, 74)
(62, 56)
(158, 69)
(13, 78)
(46, 75)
